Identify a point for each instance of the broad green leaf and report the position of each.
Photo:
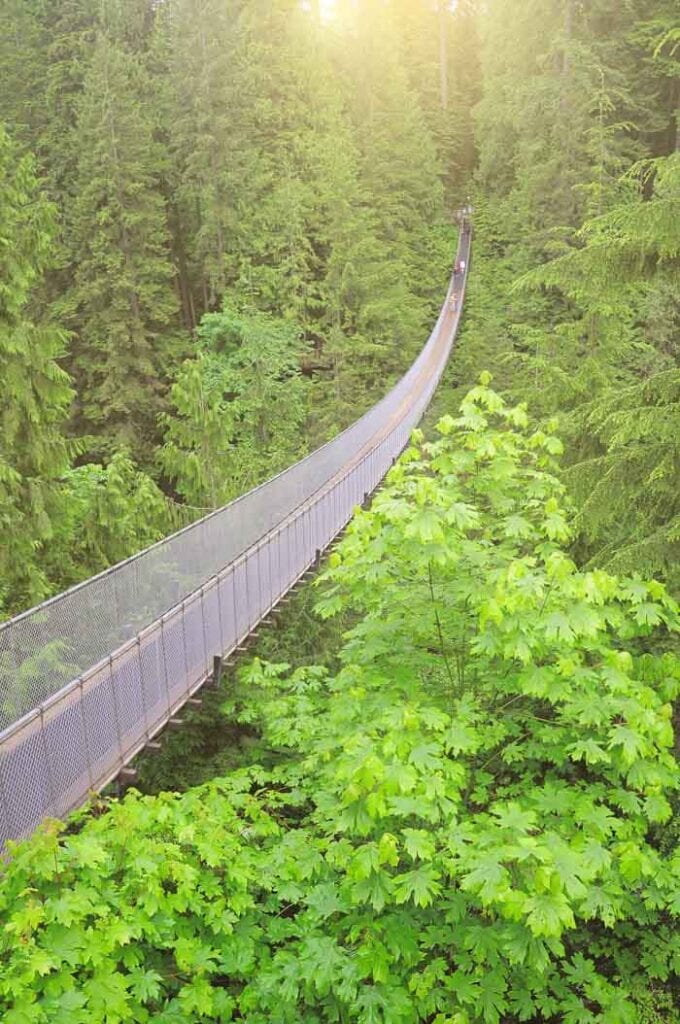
(548, 914)
(421, 886)
(419, 844)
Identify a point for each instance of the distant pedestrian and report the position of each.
(454, 303)
(462, 266)
(456, 268)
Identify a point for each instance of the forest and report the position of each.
(443, 785)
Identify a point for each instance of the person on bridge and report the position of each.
(462, 266)
(454, 303)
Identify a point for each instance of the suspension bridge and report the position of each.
(90, 677)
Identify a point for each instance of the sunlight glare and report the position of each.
(325, 8)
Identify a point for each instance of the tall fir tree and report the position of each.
(36, 392)
(122, 305)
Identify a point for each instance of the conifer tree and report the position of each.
(386, 214)
(122, 304)
(22, 41)
(626, 439)
(108, 512)
(440, 55)
(36, 392)
(210, 103)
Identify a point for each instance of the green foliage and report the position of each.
(625, 440)
(35, 389)
(226, 732)
(58, 523)
(463, 826)
(240, 408)
(122, 303)
(287, 199)
(108, 512)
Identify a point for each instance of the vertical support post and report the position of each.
(165, 668)
(115, 710)
(138, 645)
(85, 737)
(48, 766)
(218, 587)
(205, 638)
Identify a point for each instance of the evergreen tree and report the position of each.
(122, 304)
(36, 391)
(387, 244)
(22, 42)
(441, 57)
(222, 148)
(197, 47)
(626, 441)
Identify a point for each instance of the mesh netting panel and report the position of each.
(66, 751)
(241, 599)
(212, 635)
(227, 605)
(194, 641)
(25, 781)
(153, 677)
(101, 726)
(126, 683)
(174, 655)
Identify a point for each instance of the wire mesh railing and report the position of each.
(88, 677)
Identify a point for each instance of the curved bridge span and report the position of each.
(88, 678)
